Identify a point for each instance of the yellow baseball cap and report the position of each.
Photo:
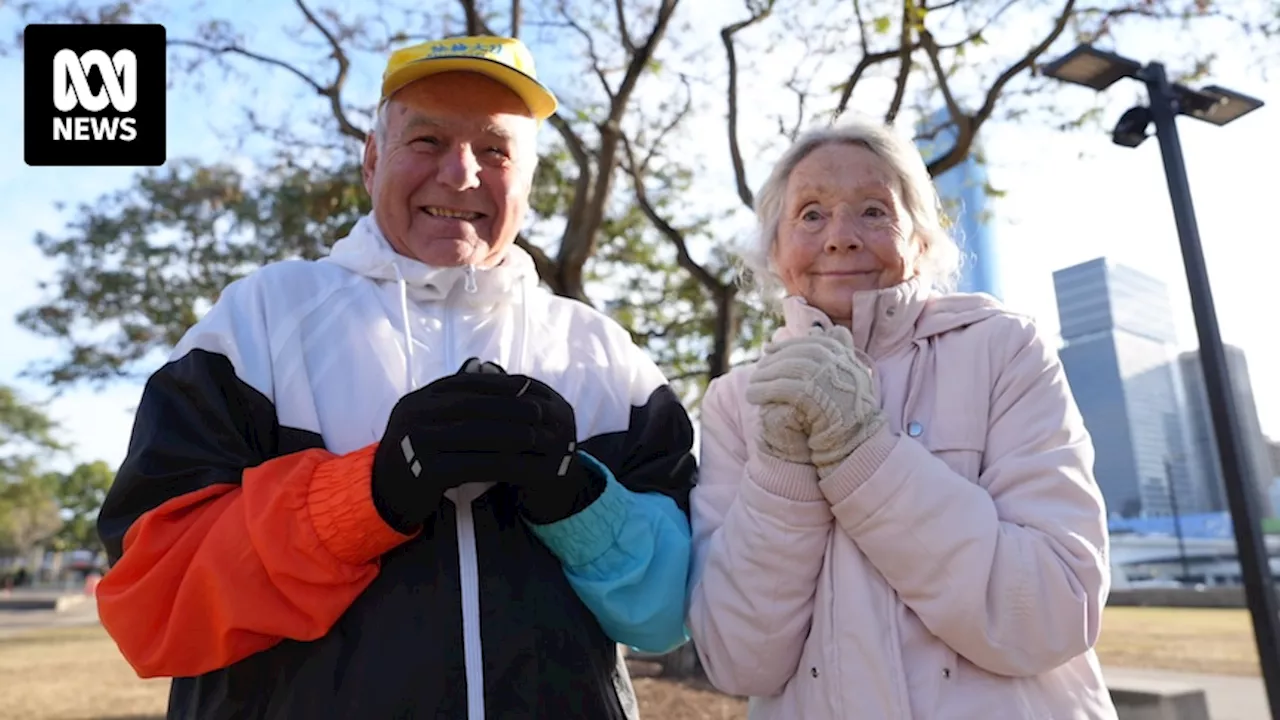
(504, 59)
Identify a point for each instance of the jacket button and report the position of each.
(946, 673)
(914, 429)
(813, 671)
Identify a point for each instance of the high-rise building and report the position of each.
(1117, 328)
(1200, 424)
(966, 197)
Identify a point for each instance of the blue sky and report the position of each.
(1070, 198)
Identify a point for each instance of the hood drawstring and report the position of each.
(410, 374)
(525, 330)
(470, 285)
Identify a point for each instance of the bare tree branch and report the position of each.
(905, 49)
(967, 126)
(997, 87)
(862, 27)
(237, 50)
(641, 58)
(591, 50)
(735, 151)
(976, 34)
(670, 126)
(683, 258)
(581, 184)
(866, 63)
(802, 96)
(475, 23)
(580, 232)
(334, 90)
(723, 294)
(944, 83)
(623, 34)
(517, 15)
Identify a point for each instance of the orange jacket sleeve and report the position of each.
(229, 531)
(215, 575)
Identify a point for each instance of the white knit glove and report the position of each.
(815, 388)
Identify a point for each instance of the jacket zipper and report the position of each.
(468, 565)
(470, 580)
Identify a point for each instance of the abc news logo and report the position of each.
(94, 94)
(71, 89)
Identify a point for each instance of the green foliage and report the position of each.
(28, 515)
(79, 495)
(28, 508)
(141, 264)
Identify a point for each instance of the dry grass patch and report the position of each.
(666, 699)
(77, 673)
(73, 674)
(1203, 640)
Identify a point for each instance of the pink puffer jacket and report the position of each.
(953, 568)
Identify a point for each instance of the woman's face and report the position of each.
(843, 229)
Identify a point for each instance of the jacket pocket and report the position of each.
(961, 452)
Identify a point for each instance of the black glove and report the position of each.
(551, 480)
(410, 476)
(540, 459)
(477, 425)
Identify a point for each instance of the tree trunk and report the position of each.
(725, 333)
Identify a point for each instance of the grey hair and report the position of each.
(940, 254)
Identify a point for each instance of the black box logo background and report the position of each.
(42, 42)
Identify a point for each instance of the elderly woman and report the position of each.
(896, 516)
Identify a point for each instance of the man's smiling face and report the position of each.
(451, 173)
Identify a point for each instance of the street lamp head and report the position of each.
(1131, 130)
(1091, 67)
(1218, 105)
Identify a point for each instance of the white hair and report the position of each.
(380, 131)
(380, 126)
(939, 254)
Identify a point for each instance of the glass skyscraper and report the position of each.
(1200, 425)
(1117, 329)
(965, 197)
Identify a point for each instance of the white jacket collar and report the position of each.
(365, 251)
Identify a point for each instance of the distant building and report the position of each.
(966, 197)
(1117, 329)
(1201, 429)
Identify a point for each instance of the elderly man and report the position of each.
(404, 481)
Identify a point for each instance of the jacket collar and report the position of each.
(365, 251)
(883, 320)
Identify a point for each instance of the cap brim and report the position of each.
(542, 103)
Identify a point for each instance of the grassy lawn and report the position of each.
(77, 674)
(73, 674)
(1208, 640)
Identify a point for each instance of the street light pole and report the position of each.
(1099, 69)
(1250, 548)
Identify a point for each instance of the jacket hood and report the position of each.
(886, 319)
(365, 251)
